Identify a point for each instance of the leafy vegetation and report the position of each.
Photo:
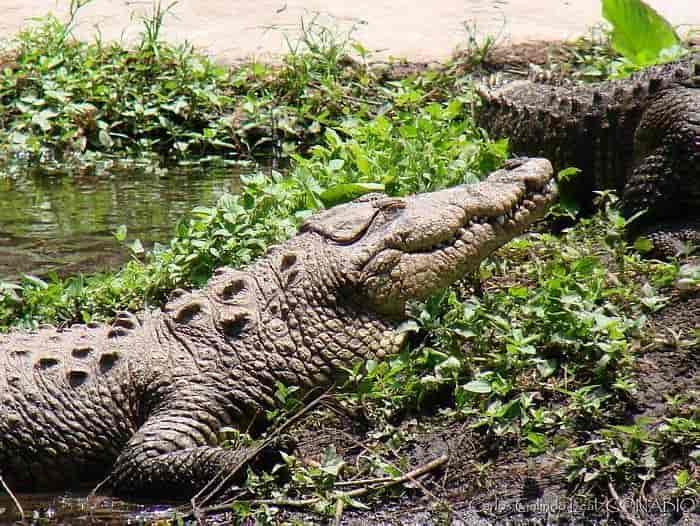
(536, 354)
(412, 149)
(634, 37)
(81, 101)
(640, 34)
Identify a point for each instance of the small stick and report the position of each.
(339, 506)
(362, 482)
(418, 482)
(303, 503)
(410, 476)
(215, 488)
(14, 499)
(623, 509)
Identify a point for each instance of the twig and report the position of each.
(228, 474)
(410, 476)
(14, 499)
(417, 482)
(339, 507)
(304, 503)
(361, 482)
(621, 505)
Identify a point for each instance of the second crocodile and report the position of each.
(639, 136)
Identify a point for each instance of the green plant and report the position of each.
(478, 48)
(74, 7)
(640, 34)
(152, 27)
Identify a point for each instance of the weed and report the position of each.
(478, 48)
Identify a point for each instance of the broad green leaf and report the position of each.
(341, 193)
(538, 443)
(643, 244)
(105, 139)
(478, 386)
(43, 119)
(120, 233)
(639, 33)
(519, 292)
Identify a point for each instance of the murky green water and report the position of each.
(65, 221)
(79, 509)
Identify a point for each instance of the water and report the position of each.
(65, 221)
(79, 509)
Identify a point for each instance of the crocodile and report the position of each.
(639, 136)
(138, 403)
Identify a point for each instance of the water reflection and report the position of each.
(79, 509)
(64, 221)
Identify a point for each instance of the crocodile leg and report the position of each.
(666, 173)
(172, 456)
(670, 239)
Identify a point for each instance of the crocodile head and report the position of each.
(392, 250)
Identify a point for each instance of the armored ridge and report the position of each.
(639, 136)
(142, 400)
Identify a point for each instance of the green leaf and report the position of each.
(43, 119)
(477, 386)
(105, 139)
(518, 292)
(120, 234)
(568, 173)
(643, 244)
(639, 33)
(341, 193)
(538, 443)
(682, 478)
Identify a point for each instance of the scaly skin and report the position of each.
(639, 136)
(143, 399)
